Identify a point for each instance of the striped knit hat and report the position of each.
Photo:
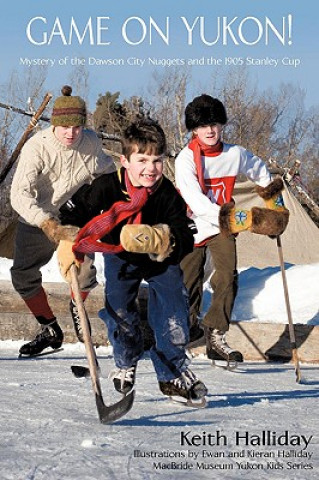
(68, 111)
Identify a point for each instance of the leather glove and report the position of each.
(263, 221)
(56, 232)
(66, 259)
(155, 240)
(272, 194)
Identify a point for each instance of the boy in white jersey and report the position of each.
(206, 171)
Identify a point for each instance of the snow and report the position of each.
(50, 428)
(261, 295)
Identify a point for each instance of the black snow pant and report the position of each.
(33, 250)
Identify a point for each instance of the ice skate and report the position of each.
(124, 379)
(49, 336)
(218, 350)
(186, 389)
(76, 321)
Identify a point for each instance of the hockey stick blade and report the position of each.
(110, 413)
(107, 414)
(84, 372)
(297, 366)
(80, 372)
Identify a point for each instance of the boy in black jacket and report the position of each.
(143, 232)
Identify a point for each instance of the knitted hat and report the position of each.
(204, 110)
(68, 111)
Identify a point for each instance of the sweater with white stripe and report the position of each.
(220, 174)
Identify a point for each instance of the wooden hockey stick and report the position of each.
(107, 414)
(25, 136)
(290, 321)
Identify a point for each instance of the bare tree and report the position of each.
(253, 116)
(166, 101)
(79, 81)
(309, 155)
(25, 91)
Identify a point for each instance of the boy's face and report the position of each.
(209, 134)
(143, 170)
(67, 135)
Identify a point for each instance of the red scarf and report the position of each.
(88, 239)
(200, 150)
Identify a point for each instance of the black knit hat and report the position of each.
(204, 110)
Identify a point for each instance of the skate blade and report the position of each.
(192, 403)
(230, 365)
(23, 356)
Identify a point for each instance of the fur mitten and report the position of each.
(155, 240)
(272, 194)
(56, 232)
(263, 221)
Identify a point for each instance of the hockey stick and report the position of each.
(33, 122)
(290, 321)
(107, 414)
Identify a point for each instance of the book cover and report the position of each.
(261, 58)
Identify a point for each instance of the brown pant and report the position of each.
(224, 281)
